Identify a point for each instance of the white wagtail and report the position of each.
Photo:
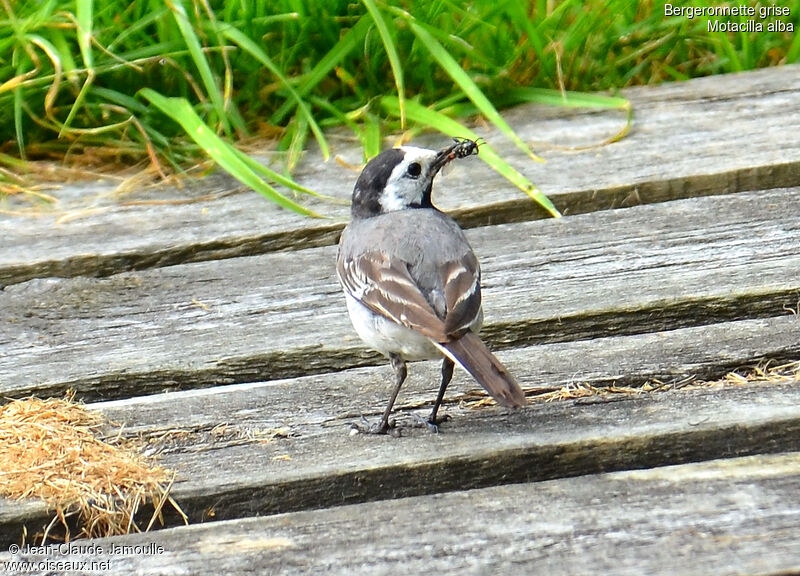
(410, 278)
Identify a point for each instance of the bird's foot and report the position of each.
(431, 424)
(365, 427)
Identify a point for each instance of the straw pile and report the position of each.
(54, 450)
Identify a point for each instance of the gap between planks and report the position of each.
(705, 136)
(734, 516)
(284, 445)
(645, 269)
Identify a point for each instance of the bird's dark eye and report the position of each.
(414, 170)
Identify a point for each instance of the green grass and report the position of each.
(72, 73)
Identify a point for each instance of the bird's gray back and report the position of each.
(410, 235)
(423, 238)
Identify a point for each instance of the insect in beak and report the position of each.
(460, 148)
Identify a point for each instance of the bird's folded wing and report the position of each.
(386, 287)
(462, 293)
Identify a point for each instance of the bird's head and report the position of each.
(402, 177)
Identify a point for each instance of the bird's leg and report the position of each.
(447, 375)
(400, 371)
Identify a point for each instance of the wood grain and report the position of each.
(230, 307)
(705, 136)
(648, 268)
(737, 516)
(282, 450)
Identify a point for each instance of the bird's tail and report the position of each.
(471, 353)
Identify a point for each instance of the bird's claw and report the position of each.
(365, 427)
(431, 424)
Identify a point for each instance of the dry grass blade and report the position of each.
(54, 450)
(763, 373)
(766, 372)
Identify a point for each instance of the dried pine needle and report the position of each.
(54, 450)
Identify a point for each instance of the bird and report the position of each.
(411, 280)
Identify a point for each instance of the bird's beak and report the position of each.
(458, 149)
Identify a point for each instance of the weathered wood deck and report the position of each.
(215, 329)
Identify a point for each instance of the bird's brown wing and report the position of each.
(462, 293)
(386, 287)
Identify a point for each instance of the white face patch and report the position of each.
(403, 188)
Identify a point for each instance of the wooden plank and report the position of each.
(308, 405)
(737, 516)
(281, 446)
(648, 268)
(258, 472)
(680, 147)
